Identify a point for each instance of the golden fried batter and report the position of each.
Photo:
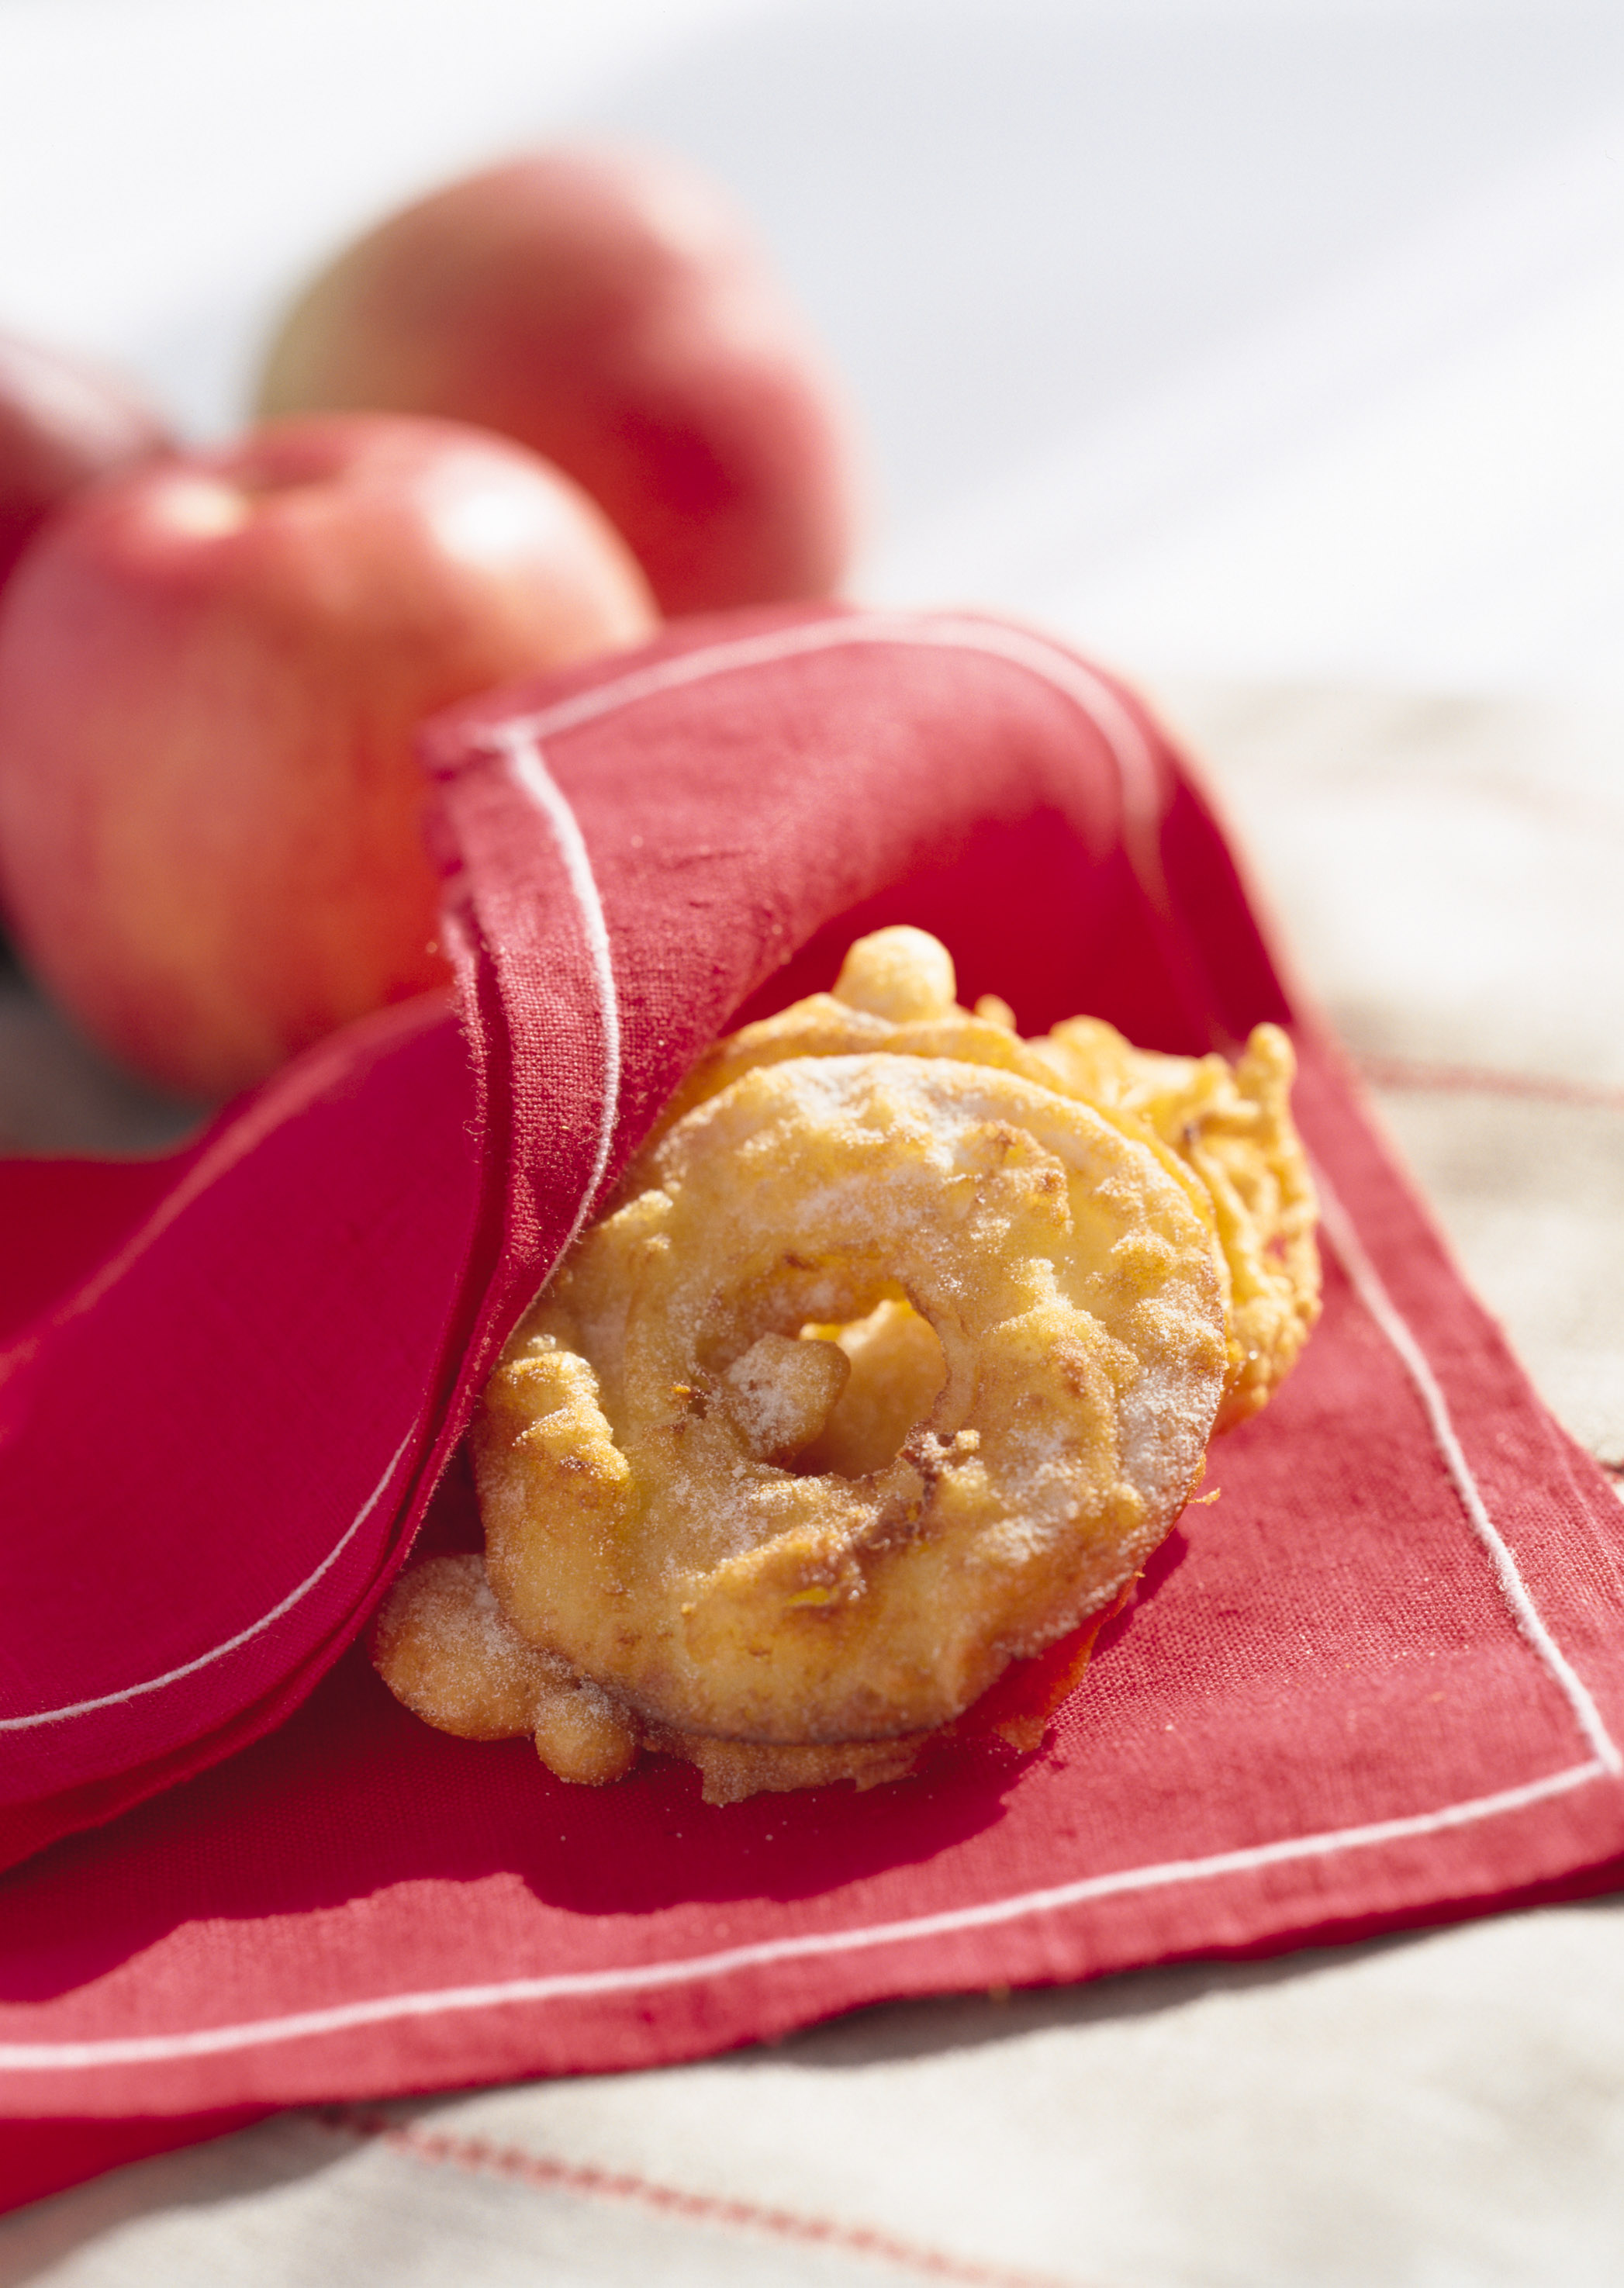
(1232, 1126)
(444, 1646)
(897, 1356)
(642, 1518)
(1227, 1129)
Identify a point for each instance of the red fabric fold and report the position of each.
(1380, 1680)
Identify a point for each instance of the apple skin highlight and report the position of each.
(210, 673)
(611, 312)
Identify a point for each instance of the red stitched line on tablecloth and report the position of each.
(1481, 1080)
(482, 2159)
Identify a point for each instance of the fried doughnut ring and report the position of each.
(740, 1503)
(644, 1523)
(1227, 1129)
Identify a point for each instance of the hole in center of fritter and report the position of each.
(899, 1370)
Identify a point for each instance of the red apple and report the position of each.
(61, 424)
(210, 671)
(611, 313)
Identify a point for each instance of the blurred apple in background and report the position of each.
(611, 313)
(210, 672)
(62, 423)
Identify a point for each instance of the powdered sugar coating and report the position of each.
(1226, 1132)
(633, 1529)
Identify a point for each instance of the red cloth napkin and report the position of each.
(1381, 1680)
